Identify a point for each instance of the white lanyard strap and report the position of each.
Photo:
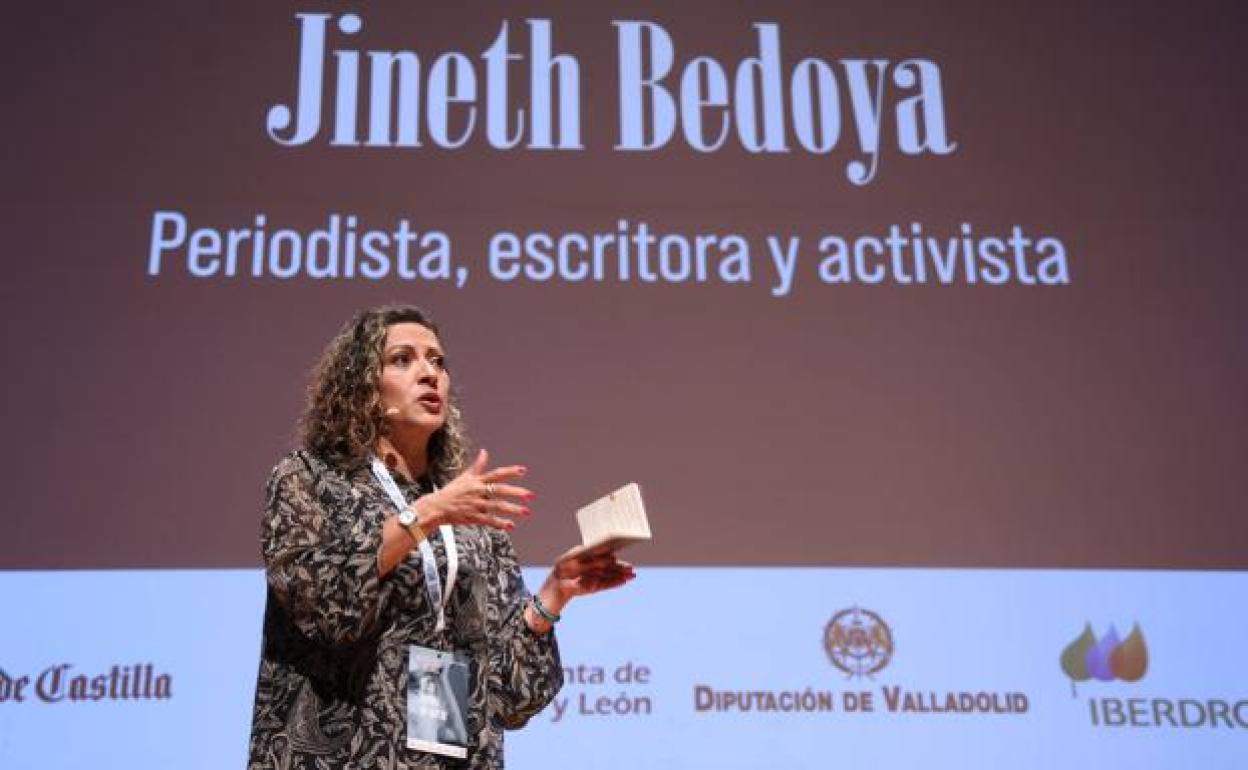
(428, 562)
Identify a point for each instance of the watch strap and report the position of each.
(409, 519)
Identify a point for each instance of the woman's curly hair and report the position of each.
(343, 419)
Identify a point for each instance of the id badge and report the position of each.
(437, 701)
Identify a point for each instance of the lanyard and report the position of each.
(428, 562)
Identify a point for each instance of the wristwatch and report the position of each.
(411, 522)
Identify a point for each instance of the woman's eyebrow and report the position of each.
(432, 350)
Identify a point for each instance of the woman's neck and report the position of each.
(406, 456)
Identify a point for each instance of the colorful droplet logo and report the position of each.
(1130, 661)
(1099, 667)
(1105, 659)
(1075, 656)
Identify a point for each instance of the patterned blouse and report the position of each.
(332, 687)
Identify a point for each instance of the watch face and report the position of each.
(407, 517)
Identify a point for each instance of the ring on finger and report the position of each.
(489, 489)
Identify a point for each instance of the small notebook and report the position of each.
(612, 522)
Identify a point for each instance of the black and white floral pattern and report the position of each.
(332, 687)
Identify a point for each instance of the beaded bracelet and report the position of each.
(546, 614)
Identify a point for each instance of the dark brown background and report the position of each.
(1100, 424)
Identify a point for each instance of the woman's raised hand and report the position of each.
(576, 575)
(581, 575)
(480, 495)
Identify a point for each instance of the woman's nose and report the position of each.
(426, 370)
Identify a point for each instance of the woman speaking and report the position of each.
(398, 632)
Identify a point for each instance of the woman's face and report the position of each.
(414, 382)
